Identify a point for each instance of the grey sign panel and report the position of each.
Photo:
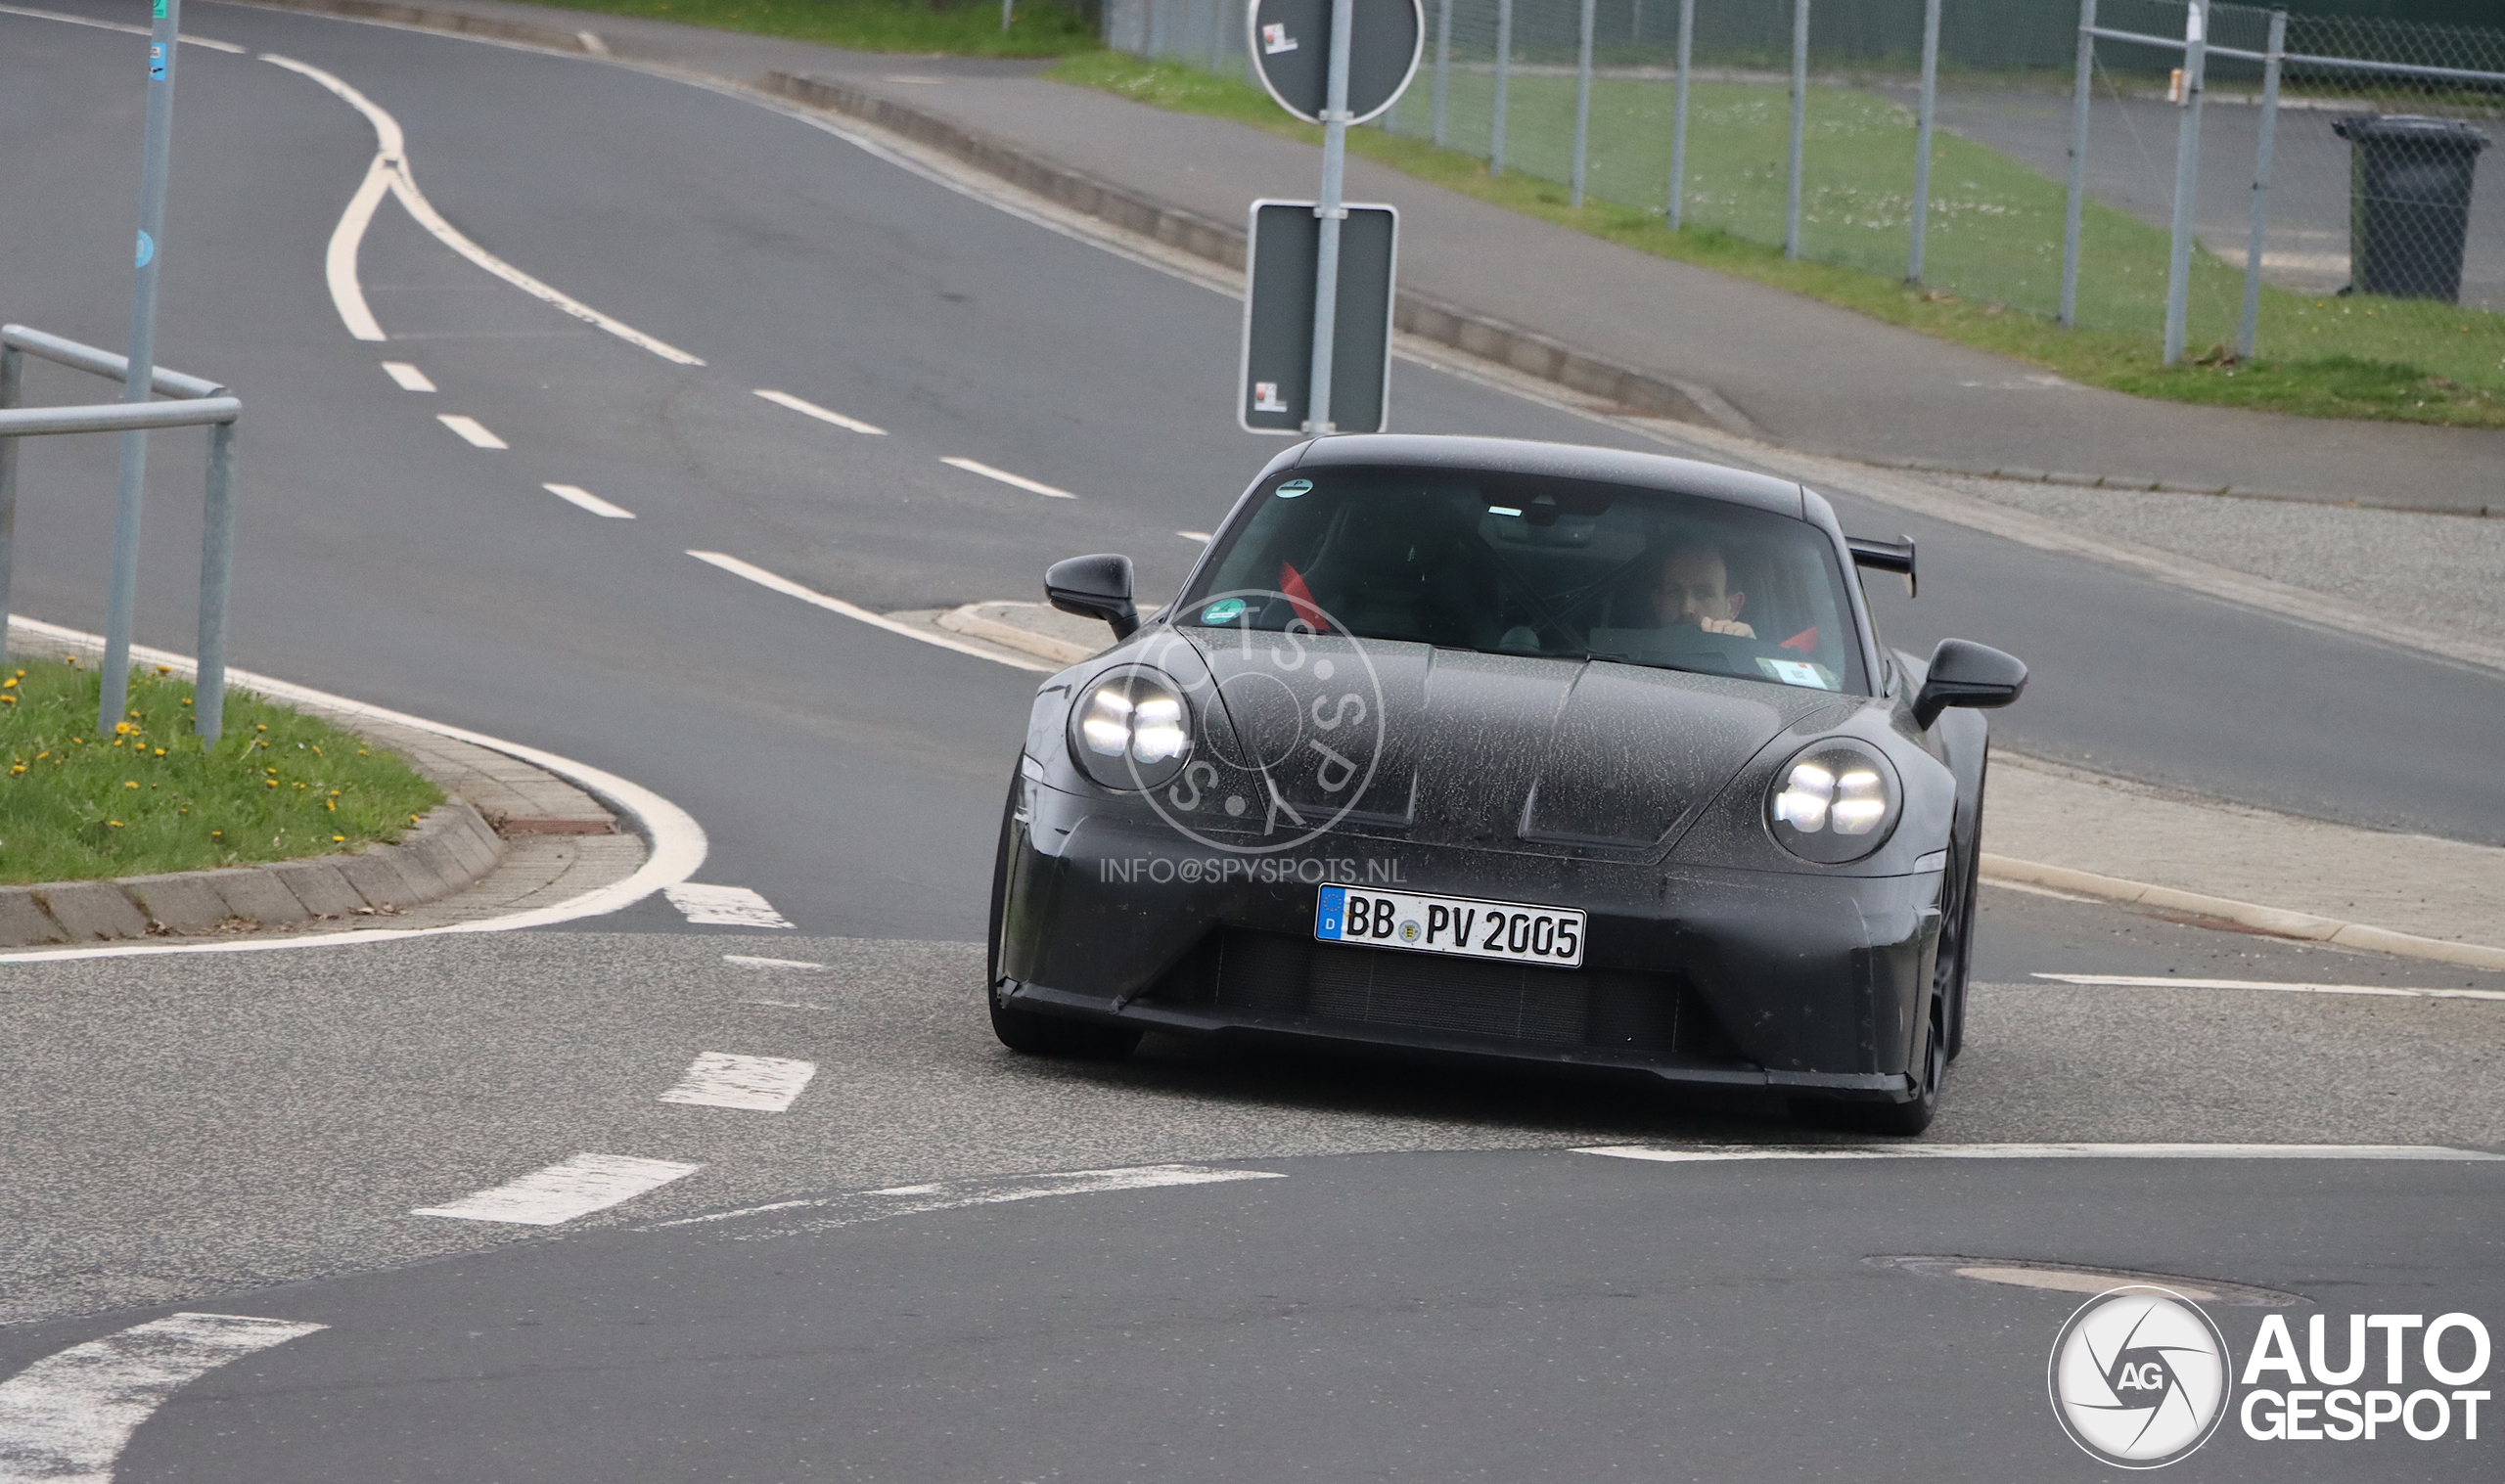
(1291, 45)
(1278, 319)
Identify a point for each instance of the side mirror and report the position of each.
(1095, 587)
(1885, 557)
(1964, 673)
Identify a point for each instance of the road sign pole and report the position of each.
(154, 158)
(1328, 208)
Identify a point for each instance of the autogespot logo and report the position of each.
(2139, 1376)
(1288, 731)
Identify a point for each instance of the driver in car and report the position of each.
(1694, 590)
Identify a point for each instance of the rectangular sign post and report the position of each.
(1329, 212)
(1275, 385)
(1339, 261)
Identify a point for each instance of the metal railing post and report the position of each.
(2187, 172)
(1922, 137)
(2080, 91)
(154, 157)
(13, 367)
(2250, 324)
(1443, 65)
(216, 566)
(1678, 115)
(1800, 102)
(1583, 103)
(1504, 64)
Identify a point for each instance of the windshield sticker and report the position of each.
(1793, 672)
(1293, 488)
(1502, 509)
(1224, 611)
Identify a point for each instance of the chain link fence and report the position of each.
(1794, 122)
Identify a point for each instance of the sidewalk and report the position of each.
(1799, 373)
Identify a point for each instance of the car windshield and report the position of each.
(1535, 566)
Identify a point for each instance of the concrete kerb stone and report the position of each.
(90, 911)
(23, 919)
(180, 902)
(319, 885)
(256, 895)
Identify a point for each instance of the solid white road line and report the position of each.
(575, 494)
(2152, 981)
(108, 26)
(471, 429)
(410, 378)
(1020, 481)
(391, 166)
(751, 961)
(724, 906)
(758, 1084)
(790, 589)
(1201, 537)
(65, 1418)
(855, 1206)
(823, 415)
(338, 259)
(1710, 1153)
(677, 842)
(560, 1193)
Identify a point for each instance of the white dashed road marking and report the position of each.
(471, 429)
(65, 1418)
(1706, 1153)
(1201, 537)
(724, 906)
(855, 1206)
(575, 494)
(759, 1084)
(751, 961)
(2129, 981)
(410, 378)
(559, 1193)
(823, 415)
(1020, 481)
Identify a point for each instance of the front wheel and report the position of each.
(1034, 1035)
(1899, 1120)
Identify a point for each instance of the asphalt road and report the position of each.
(190, 1128)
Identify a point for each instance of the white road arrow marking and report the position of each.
(390, 172)
(758, 1084)
(68, 1416)
(724, 906)
(560, 1193)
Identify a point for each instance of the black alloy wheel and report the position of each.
(1895, 1120)
(1956, 956)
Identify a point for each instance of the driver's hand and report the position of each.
(1731, 626)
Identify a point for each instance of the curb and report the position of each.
(2278, 922)
(1429, 318)
(424, 18)
(450, 849)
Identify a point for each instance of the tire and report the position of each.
(1957, 944)
(1895, 1120)
(1031, 1034)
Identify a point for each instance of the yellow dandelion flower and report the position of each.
(133, 784)
(116, 823)
(337, 839)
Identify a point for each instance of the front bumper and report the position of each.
(1807, 983)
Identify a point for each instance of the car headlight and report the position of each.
(1834, 801)
(1130, 730)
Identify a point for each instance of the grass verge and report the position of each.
(1995, 226)
(970, 28)
(75, 805)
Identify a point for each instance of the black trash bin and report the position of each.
(2408, 203)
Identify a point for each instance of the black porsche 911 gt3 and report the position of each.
(1491, 748)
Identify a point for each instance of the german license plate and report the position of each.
(1459, 925)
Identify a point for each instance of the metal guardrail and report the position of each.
(200, 402)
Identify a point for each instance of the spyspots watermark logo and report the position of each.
(1285, 714)
(2139, 1376)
